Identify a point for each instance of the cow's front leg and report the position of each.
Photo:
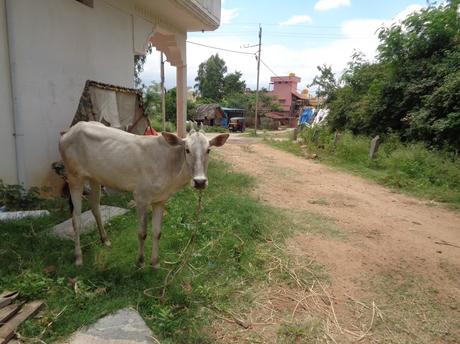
(157, 217)
(76, 191)
(142, 234)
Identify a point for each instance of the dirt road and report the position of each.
(392, 248)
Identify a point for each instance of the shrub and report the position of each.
(16, 197)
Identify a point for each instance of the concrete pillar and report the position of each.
(181, 99)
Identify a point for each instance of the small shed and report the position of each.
(209, 114)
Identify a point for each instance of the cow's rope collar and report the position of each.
(198, 207)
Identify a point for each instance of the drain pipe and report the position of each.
(18, 133)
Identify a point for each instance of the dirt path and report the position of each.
(390, 238)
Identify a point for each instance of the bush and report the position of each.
(16, 197)
(157, 124)
(413, 167)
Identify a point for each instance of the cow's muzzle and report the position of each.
(199, 183)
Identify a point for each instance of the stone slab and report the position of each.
(64, 230)
(125, 326)
(17, 215)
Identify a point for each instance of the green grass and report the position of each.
(433, 175)
(228, 255)
(414, 310)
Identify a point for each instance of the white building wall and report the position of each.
(8, 171)
(55, 46)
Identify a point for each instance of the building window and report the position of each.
(89, 3)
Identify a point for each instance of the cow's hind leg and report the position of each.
(95, 200)
(76, 191)
(157, 218)
(142, 234)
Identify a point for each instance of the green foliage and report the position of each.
(33, 285)
(139, 61)
(16, 197)
(325, 81)
(212, 83)
(247, 101)
(152, 99)
(157, 124)
(170, 105)
(414, 87)
(407, 167)
(210, 78)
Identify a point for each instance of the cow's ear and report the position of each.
(219, 140)
(172, 139)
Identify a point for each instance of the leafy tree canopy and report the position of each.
(412, 89)
(212, 83)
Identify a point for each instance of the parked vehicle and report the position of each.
(236, 124)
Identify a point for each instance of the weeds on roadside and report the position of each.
(407, 167)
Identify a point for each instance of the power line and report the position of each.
(271, 70)
(223, 49)
(277, 24)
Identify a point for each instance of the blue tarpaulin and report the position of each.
(306, 116)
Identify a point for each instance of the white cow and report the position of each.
(153, 168)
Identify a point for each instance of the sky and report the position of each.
(297, 36)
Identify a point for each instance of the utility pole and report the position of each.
(162, 85)
(258, 72)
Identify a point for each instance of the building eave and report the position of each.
(210, 21)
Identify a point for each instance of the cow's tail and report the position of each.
(65, 192)
(59, 168)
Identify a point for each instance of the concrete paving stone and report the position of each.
(17, 215)
(64, 230)
(125, 326)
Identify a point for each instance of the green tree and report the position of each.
(170, 105)
(210, 78)
(233, 83)
(152, 99)
(325, 81)
(413, 89)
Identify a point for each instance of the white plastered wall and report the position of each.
(55, 46)
(8, 172)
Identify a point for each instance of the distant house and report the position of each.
(50, 48)
(209, 114)
(291, 101)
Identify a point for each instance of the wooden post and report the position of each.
(374, 147)
(336, 138)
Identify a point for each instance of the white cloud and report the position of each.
(407, 11)
(295, 20)
(227, 15)
(325, 5)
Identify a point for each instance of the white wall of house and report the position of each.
(8, 172)
(55, 46)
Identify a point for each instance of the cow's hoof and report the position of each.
(140, 262)
(107, 243)
(155, 266)
(78, 261)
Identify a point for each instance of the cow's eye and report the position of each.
(208, 151)
(187, 151)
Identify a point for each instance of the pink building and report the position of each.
(285, 90)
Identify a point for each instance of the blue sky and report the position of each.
(297, 36)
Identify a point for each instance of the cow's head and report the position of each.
(196, 149)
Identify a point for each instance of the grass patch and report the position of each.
(414, 311)
(304, 332)
(229, 254)
(308, 222)
(412, 168)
